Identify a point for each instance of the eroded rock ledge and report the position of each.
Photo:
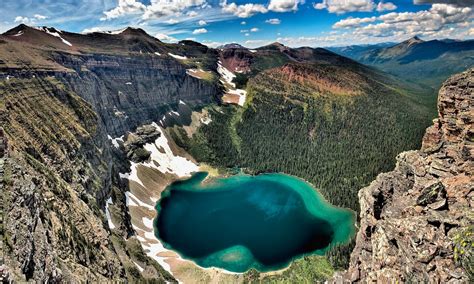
(413, 217)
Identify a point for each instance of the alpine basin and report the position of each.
(242, 222)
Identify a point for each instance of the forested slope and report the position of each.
(335, 126)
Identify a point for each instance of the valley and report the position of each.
(427, 62)
(101, 141)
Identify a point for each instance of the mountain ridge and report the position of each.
(428, 62)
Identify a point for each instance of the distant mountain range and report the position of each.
(427, 62)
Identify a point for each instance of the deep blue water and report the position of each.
(243, 221)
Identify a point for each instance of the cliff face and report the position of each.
(127, 91)
(57, 106)
(128, 78)
(57, 166)
(416, 221)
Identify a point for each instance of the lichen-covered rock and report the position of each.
(410, 217)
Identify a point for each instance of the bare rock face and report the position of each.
(413, 217)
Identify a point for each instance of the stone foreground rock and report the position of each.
(412, 217)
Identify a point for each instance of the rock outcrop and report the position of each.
(417, 221)
(135, 142)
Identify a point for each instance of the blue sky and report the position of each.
(254, 22)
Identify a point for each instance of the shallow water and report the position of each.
(244, 222)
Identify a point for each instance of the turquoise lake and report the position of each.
(242, 221)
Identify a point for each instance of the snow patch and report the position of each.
(138, 267)
(115, 32)
(194, 73)
(56, 34)
(132, 175)
(19, 33)
(206, 120)
(147, 222)
(128, 83)
(132, 200)
(226, 79)
(177, 56)
(253, 50)
(115, 141)
(157, 53)
(181, 102)
(226, 75)
(164, 160)
(168, 162)
(107, 213)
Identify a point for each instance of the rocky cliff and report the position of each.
(128, 91)
(128, 78)
(416, 222)
(58, 104)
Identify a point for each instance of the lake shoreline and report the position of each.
(147, 183)
(314, 202)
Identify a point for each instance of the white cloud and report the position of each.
(243, 23)
(40, 17)
(199, 31)
(284, 5)
(274, 21)
(312, 40)
(389, 6)
(202, 23)
(172, 21)
(91, 30)
(254, 30)
(212, 43)
(439, 21)
(353, 22)
(161, 8)
(246, 34)
(344, 6)
(125, 7)
(29, 21)
(165, 37)
(257, 42)
(192, 14)
(243, 11)
(459, 3)
(23, 20)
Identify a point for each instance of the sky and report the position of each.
(316, 23)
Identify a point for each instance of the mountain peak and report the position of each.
(134, 31)
(231, 46)
(17, 29)
(275, 45)
(413, 40)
